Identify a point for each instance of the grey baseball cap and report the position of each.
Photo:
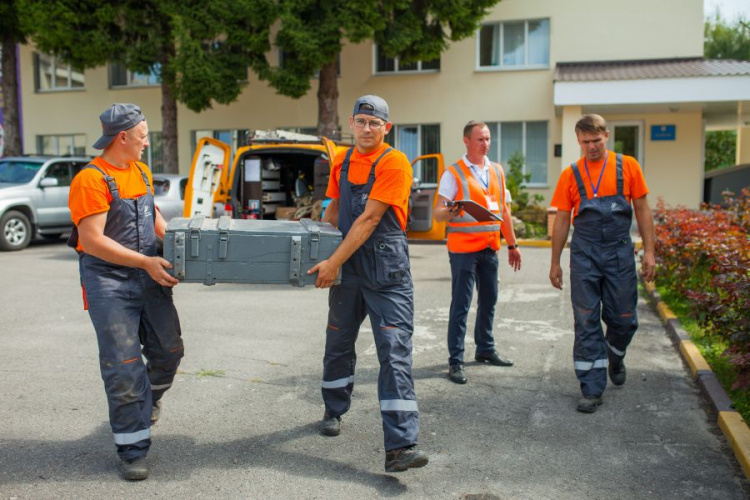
(117, 118)
(371, 105)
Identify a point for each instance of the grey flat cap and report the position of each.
(117, 118)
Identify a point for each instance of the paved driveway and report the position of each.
(240, 421)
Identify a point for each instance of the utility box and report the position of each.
(226, 250)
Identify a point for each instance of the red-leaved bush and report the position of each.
(704, 255)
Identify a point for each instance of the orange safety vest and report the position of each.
(465, 233)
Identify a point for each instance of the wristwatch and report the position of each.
(512, 247)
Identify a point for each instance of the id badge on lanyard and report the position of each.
(492, 203)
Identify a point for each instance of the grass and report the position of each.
(711, 348)
(210, 373)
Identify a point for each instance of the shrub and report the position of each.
(704, 255)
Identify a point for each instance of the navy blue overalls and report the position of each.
(603, 283)
(376, 281)
(130, 310)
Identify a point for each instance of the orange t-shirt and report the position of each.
(566, 195)
(393, 178)
(90, 195)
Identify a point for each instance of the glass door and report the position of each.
(626, 138)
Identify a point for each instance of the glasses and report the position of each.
(373, 124)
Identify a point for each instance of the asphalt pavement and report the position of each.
(241, 418)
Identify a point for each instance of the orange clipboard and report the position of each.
(476, 210)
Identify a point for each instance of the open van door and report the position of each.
(427, 172)
(209, 179)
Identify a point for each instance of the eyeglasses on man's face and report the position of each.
(373, 124)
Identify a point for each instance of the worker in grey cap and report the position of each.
(126, 287)
(369, 189)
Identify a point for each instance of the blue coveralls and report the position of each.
(130, 310)
(603, 283)
(376, 281)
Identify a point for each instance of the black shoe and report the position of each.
(456, 374)
(404, 458)
(135, 470)
(330, 426)
(617, 373)
(493, 358)
(155, 412)
(589, 404)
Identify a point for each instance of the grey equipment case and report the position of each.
(226, 250)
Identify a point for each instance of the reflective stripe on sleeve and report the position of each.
(398, 405)
(585, 366)
(338, 384)
(132, 437)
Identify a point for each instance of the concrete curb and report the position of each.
(730, 421)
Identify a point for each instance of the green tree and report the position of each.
(721, 147)
(724, 41)
(12, 34)
(201, 48)
(312, 33)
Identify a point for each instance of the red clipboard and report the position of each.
(477, 211)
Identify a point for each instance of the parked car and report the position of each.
(169, 194)
(34, 197)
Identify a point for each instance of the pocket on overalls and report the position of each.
(391, 262)
(626, 257)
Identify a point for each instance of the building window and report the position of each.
(235, 139)
(153, 155)
(517, 44)
(120, 76)
(61, 145)
(385, 64)
(527, 138)
(414, 141)
(51, 74)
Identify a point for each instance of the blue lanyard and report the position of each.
(486, 183)
(601, 174)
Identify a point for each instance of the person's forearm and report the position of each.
(360, 231)
(507, 227)
(559, 235)
(645, 221)
(109, 250)
(331, 215)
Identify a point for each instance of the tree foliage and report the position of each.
(312, 33)
(721, 147)
(724, 41)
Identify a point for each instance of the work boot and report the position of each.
(404, 458)
(589, 404)
(135, 470)
(493, 358)
(456, 374)
(155, 412)
(617, 373)
(330, 426)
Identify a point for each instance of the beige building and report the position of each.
(530, 71)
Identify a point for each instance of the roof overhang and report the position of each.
(705, 89)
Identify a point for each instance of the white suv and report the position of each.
(34, 197)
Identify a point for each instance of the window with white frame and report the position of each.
(61, 145)
(120, 76)
(385, 64)
(52, 74)
(528, 138)
(514, 44)
(418, 140)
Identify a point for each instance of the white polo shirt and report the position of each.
(448, 187)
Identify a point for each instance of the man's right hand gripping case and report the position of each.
(227, 250)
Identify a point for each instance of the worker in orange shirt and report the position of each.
(126, 287)
(473, 247)
(596, 193)
(369, 189)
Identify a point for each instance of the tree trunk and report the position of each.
(168, 114)
(12, 125)
(328, 99)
